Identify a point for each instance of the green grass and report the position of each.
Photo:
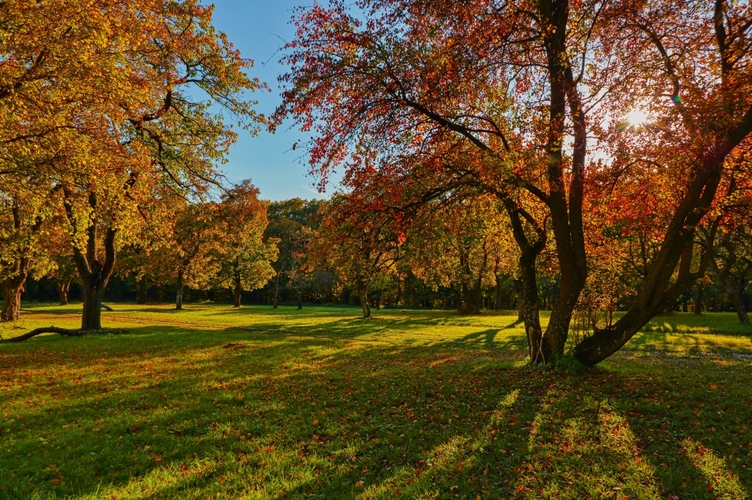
(260, 403)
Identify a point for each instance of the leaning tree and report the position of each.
(517, 88)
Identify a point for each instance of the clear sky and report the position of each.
(259, 29)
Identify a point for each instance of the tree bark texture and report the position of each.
(12, 291)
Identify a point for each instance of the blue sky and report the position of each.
(259, 29)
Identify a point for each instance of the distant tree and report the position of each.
(291, 222)
(245, 255)
(24, 207)
(357, 246)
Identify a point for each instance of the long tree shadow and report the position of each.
(166, 414)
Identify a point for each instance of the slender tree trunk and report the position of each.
(12, 290)
(698, 298)
(63, 287)
(363, 296)
(179, 286)
(299, 293)
(276, 288)
(142, 288)
(237, 291)
(529, 301)
(497, 294)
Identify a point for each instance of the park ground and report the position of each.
(214, 402)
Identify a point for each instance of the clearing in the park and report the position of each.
(213, 402)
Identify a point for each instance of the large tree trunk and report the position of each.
(12, 290)
(738, 301)
(93, 273)
(92, 315)
(179, 287)
(467, 301)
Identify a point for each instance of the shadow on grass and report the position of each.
(174, 414)
(334, 410)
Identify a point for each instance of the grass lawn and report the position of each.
(213, 402)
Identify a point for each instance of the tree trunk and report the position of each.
(738, 301)
(276, 288)
(363, 296)
(529, 301)
(12, 290)
(300, 297)
(63, 287)
(141, 294)
(518, 289)
(92, 315)
(179, 286)
(497, 294)
(94, 274)
(658, 293)
(237, 293)
(698, 298)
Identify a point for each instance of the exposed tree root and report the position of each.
(106, 307)
(62, 331)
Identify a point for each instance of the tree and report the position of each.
(122, 94)
(702, 56)
(358, 248)
(23, 209)
(245, 256)
(57, 248)
(193, 256)
(291, 222)
(454, 245)
(503, 97)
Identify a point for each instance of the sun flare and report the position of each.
(637, 117)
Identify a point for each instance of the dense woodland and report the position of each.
(586, 158)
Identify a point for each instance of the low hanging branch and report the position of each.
(62, 331)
